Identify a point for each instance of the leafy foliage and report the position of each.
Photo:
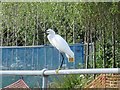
(71, 81)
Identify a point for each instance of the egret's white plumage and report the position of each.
(58, 42)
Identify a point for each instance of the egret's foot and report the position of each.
(57, 70)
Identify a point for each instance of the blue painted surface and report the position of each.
(37, 58)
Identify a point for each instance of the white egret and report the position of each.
(58, 42)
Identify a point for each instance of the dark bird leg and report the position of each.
(62, 60)
(61, 63)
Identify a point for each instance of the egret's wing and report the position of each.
(63, 46)
(60, 43)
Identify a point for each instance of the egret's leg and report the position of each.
(62, 60)
(61, 63)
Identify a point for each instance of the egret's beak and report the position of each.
(47, 31)
(42, 32)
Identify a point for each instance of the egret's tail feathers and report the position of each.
(71, 59)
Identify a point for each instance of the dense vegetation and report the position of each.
(22, 24)
(97, 23)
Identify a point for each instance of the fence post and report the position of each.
(44, 79)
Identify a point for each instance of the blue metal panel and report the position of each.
(37, 58)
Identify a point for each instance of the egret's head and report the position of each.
(50, 31)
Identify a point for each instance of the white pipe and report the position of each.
(21, 72)
(61, 72)
(84, 71)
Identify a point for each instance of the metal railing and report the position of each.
(45, 73)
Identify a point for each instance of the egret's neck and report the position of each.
(52, 34)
